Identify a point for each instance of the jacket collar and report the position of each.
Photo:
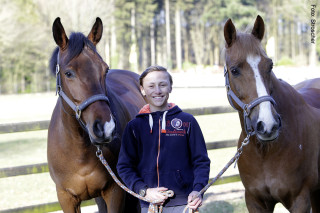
(146, 108)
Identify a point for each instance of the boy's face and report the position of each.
(156, 87)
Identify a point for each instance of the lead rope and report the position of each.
(153, 208)
(213, 180)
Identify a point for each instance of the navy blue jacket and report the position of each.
(170, 153)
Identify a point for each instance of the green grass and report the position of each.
(222, 206)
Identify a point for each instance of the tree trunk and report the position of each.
(169, 62)
(198, 44)
(133, 58)
(152, 42)
(293, 38)
(113, 44)
(178, 37)
(286, 38)
(186, 39)
(275, 30)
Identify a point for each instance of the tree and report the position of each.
(168, 37)
(178, 36)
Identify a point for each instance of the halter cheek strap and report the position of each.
(245, 107)
(76, 108)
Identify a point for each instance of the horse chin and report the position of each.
(100, 141)
(264, 139)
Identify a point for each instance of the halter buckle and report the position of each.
(228, 88)
(78, 113)
(57, 70)
(247, 109)
(59, 88)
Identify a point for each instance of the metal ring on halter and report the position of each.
(57, 69)
(78, 113)
(228, 88)
(99, 151)
(59, 88)
(245, 110)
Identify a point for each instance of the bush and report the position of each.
(285, 61)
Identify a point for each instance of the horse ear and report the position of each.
(258, 28)
(59, 34)
(96, 32)
(230, 33)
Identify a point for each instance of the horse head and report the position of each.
(81, 74)
(249, 76)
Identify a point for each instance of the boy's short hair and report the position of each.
(152, 69)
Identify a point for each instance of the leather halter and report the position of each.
(245, 107)
(77, 108)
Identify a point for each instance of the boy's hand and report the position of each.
(196, 203)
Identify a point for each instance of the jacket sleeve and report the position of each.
(128, 161)
(199, 156)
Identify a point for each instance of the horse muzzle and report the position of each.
(102, 133)
(268, 130)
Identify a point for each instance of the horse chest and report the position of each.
(270, 176)
(86, 182)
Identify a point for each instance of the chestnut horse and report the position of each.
(281, 162)
(94, 106)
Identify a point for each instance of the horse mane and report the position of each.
(76, 44)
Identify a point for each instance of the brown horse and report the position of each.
(94, 106)
(281, 161)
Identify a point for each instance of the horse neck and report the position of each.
(287, 98)
(118, 109)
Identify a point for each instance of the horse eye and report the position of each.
(68, 74)
(235, 71)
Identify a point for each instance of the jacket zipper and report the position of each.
(158, 154)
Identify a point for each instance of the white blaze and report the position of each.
(109, 127)
(265, 113)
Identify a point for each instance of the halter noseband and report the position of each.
(245, 107)
(77, 108)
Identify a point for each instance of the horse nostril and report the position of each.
(260, 127)
(277, 124)
(98, 129)
(279, 121)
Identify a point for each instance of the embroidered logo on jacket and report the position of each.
(176, 123)
(176, 127)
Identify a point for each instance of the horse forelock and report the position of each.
(244, 45)
(76, 44)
